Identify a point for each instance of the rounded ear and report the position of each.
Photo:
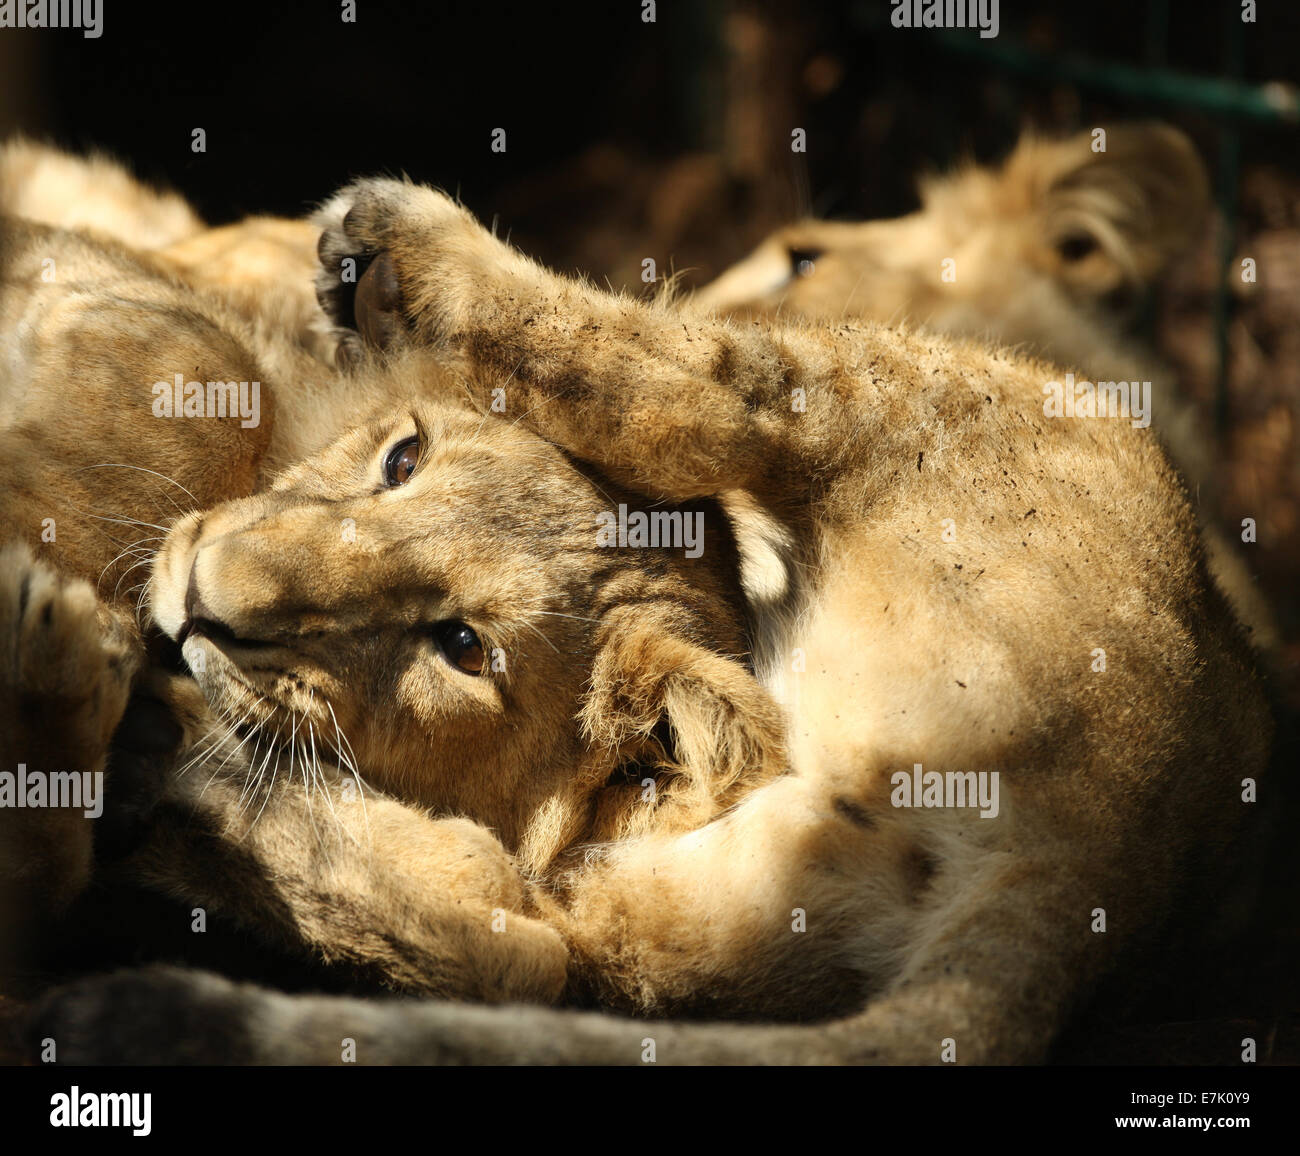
(677, 732)
(1116, 208)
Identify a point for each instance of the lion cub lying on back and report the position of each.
(951, 599)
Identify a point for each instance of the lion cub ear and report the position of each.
(1118, 205)
(694, 722)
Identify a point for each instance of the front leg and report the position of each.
(418, 905)
(668, 403)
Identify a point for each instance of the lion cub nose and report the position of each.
(198, 618)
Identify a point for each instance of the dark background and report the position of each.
(295, 101)
(671, 139)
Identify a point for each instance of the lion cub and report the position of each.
(381, 595)
(998, 722)
(1052, 250)
(1020, 718)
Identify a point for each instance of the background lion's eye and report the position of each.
(803, 261)
(1076, 246)
(460, 646)
(401, 462)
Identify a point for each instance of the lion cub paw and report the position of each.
(66, 661)
(394, 260)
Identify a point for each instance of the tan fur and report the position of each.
(974, 653)
(880, 644)
(601, 651)
(91, 194)
(108, 287)
(1047, 250)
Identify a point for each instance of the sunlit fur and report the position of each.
(619, 697)
(879, 642)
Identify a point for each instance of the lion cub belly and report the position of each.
(812, 889)
(876, 676)
(829, 871)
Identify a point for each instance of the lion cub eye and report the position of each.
(401, 461)
(460, 646)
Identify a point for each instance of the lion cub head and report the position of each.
(487, 628)
(1054, 248)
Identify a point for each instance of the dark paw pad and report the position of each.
(377, 307)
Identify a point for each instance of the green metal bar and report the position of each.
(1225, 96)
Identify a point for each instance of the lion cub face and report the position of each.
(432, 596)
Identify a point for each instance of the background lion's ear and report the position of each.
(1113, 220)
(660, 705)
